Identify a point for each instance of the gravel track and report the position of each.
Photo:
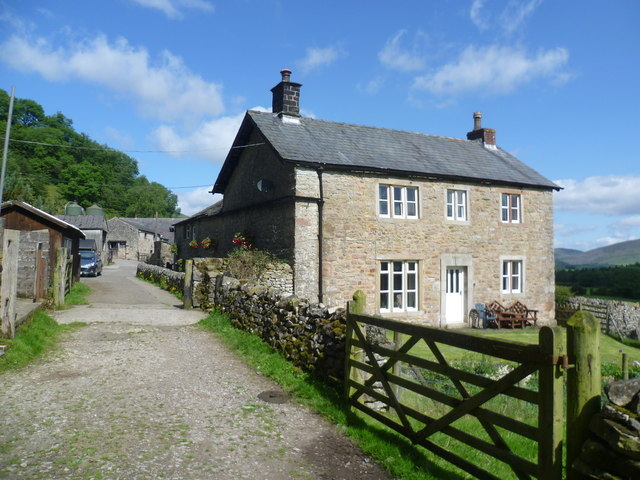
(142, 392)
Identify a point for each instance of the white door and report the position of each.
(454, 296)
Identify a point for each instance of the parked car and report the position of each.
(90, 263)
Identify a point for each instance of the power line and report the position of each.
(102, 149)
(59, 180)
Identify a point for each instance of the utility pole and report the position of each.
(6, 145)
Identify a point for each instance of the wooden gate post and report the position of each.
(357, 307)
(584, 383)
(551, 408)
(59, 276)
(188, 284)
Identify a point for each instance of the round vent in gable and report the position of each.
(265, 185)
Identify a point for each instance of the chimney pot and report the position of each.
(486, 135)
(286, 96)
(286, 74)
(477, 117)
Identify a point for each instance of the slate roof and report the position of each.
(86, 222)
(161, 226)
(206, 212)
(399, 153)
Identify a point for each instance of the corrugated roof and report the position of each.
(356, 147)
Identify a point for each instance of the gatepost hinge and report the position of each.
(563, 361)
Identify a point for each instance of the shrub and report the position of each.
(563, 293)
(248, 264)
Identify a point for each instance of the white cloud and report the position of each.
(172, 8)
(372, 86)
(123, 140)
(492, 70)
(569, 230)
(211, 140)
(628, 223)
(511, 17)
(477, 14)
(516, 13)
(320, 57)
(196, 200)
(614, 195)
(610, 240)
(164, 89)
(393, 56)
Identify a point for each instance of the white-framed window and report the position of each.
(512, 276)
(456, 205)
(397, 202)
(398, 286)
(511, 208)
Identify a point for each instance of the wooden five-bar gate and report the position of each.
(386, 380)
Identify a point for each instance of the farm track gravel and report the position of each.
(142, 392)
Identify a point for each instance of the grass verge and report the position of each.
(77, 294)
(393, 452)
(39, 335)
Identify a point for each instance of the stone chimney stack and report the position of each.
(286, 96)
(486, 135)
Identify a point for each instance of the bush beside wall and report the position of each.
(169, 280)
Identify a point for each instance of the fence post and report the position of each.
(359, 302)
(583, 383)
(9, 244)
(551, 408)
(356, 306)
(59, 276)
(188, 284)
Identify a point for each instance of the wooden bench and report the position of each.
(522, 311)
(515, 316)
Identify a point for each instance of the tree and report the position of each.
(147, 199)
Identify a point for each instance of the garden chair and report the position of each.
(481, 315)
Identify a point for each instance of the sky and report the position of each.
(168, 82)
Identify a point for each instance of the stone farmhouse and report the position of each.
(426, 226)
(135, 238)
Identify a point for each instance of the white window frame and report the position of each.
(510, 203)
(512, 275)
(398, 296)
(457, 204)
(394, 201)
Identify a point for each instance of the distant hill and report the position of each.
(623, 253)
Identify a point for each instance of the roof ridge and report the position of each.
(367, 126)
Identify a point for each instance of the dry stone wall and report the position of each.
(169, 280)
(624, 317)
(613, 452)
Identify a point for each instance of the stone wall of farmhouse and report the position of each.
(271, 225)
(356, 240)
(121, 231)
(258, 164)
(265, 213)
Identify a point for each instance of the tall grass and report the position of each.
(39, 335)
